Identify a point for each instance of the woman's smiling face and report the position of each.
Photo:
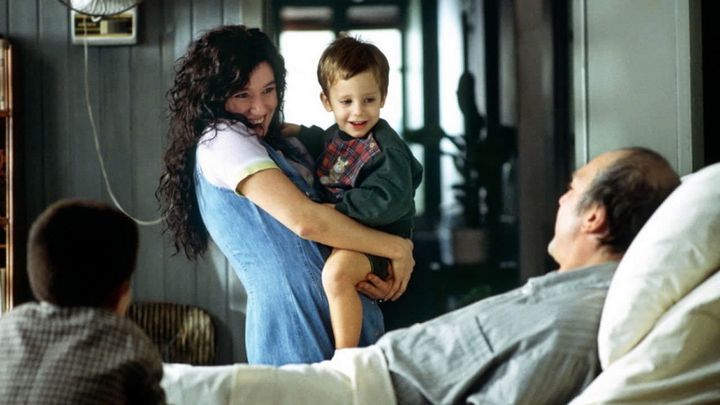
(257, 101)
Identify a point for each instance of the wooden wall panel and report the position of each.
(113, 122)
(22, 30)
(180, 274)
(3, 16)
(83, 173)
(148, 127)
(55, 107)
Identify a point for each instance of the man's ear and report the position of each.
(325, 102)
(595, 219)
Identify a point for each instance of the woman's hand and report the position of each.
(400, 271)
(395, 285)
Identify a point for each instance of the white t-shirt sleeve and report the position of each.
(231, 154)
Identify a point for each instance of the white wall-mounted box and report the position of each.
(118, 29)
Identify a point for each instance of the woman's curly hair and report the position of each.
(216, 66)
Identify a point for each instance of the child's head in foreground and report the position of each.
(353, 75)
(82, 253)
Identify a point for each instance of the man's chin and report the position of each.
(551, 249)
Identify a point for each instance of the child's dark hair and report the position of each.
(346, 57)
(80, 252)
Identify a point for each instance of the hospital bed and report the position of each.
(658, 336)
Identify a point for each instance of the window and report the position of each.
(301, 50)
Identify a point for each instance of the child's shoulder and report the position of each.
(387, 137)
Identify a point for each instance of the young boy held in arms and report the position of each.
(366, 170)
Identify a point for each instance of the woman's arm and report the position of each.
(272, 191)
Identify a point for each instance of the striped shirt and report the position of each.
(533, 345)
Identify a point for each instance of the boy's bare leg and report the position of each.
(342, 271)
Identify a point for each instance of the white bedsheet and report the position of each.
(352, 376)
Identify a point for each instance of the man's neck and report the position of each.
(599, 256)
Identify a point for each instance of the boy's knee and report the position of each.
(343, 270)
(332, 278)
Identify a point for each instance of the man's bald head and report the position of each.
(631, 185)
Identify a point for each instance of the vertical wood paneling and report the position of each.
(23, 31)
(180, 16)
(207, 14)
(54, 31)
(179, 272)
(113, 114)
(3, 17)
(86, 181)
(147, 127)
(113, 122)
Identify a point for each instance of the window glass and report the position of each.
(451, 119)
(302, 50)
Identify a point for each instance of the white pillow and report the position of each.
(677, 362)
(674, 252)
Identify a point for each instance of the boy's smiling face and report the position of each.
(355, 103)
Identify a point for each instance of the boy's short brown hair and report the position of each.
(80, 252)
(346, 57)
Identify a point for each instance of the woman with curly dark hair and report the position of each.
(232, 176)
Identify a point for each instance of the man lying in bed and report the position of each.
(535, 344)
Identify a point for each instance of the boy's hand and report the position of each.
(288, 130)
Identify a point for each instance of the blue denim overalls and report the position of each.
(288, 319)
